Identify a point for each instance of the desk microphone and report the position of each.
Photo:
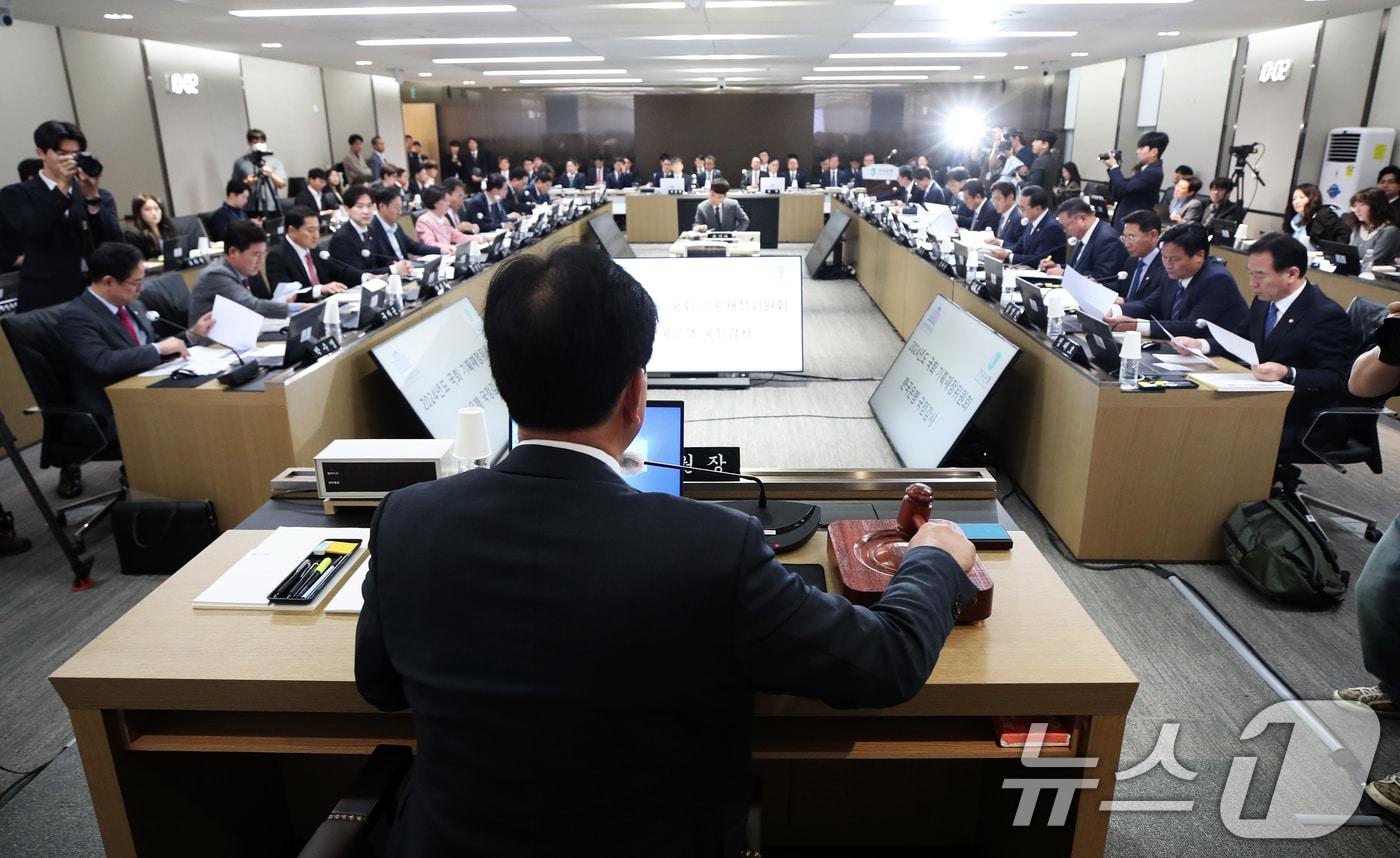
(893, 152)
(786, 524)
(245, 373)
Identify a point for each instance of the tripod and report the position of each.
(257, 205)
(82, 566)
(1242, 161)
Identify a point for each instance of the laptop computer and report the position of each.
(996, 275)
(1034, 314)
(1103, 348)
(662, 439)
(177, 251)
(1346, 257)
(274, 228)
(1222, 232)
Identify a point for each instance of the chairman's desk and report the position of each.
(225, 733)
(1120, 476)
(209, 442)
(794, 216)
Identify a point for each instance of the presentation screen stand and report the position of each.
(724, 380)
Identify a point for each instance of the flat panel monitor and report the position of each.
(1222, 232)
(662, 439)
(177, 251)
(441, 365)
(612, 239)
(1347, 257)
(724, 314)
(996, 277)
(934, 388)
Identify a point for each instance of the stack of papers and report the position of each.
(203, 360)
(246, 583)
(1237, 382)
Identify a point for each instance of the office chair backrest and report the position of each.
(284, 204)
(169, 296)
(191, 225)
(204, 218)
(1366, 317)
(295, 185)
(38, 348)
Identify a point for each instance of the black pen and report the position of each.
(316, 574)
(292, 580)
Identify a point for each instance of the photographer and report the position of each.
(1143, 188)
(59, 216)
(262, 172)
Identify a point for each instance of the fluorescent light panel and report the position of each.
(713, 37)
(867, 77)
(550, 72)
(1056, 2)
(366, 11)
(721, 70)
(922, 55)
(582, 80)
(464, 40)
(705, 58)
(884, 68)
(486, 61)
(973, 36)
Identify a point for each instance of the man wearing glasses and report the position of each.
(60, 215)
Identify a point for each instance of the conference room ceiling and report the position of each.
(751, 44)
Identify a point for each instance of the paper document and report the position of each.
(203, 360)
(246, 583)
(283, 291)
(350, 598)
(1234, 344)
(235, 325)
(1092, 298)
(1185, 361)
(267, 351)
(1237, 382)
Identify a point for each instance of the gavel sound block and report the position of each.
(867, 553)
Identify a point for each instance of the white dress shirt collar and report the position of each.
(1284, 303)
(47, 181)
(586, 450)
(111, 308)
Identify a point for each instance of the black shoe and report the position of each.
(9, 543)
(70, 482)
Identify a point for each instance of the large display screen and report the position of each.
(662, 439)
(441, 365)
(724, 314)
(936, 384)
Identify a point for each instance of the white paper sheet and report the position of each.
(1091, 297)
(235, 325)
(283, 291)
(1237, 382)
(1234, 344)
(1192, 360)
(350, 598)
(203, 360)
(246, 583)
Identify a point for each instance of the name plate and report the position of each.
(1072, 349)
(702, 462)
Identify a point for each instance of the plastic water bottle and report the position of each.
(1129, 358)
(331, 319)
(1055, 313)
(971, 267)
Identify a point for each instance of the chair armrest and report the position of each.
(1339, 411)
(371, 795)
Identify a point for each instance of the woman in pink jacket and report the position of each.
(433, 226)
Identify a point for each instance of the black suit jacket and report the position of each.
(57, 233)
(358, 254)
(797, 179)
(1044, 172)
(101, 352)
(379, 241)
(1154, 278)
(1101, 257)
(984, 218)
(1136, 192)
(1212, 295)
(617, 181)
(484, 214)
(824, 178)
(1229, 210)
(1035, 243)
(284, 266)
(533, 197)
(577, 183)
(555, 674)
(311, 199)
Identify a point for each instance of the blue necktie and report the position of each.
(1179, 303)
(1270, 320)
(1137, 279)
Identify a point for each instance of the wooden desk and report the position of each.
(655, 217)
(229, 732)
(208, 442)
(1090, 457)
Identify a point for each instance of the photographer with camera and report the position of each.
(262, 172)
(1142, 189)
(60, 216)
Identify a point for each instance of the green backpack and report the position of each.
(1283, 555)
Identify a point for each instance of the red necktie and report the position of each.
(311, 269)
(126, 322)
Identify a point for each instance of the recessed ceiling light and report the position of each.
(271, 44)
(582, 80)
(704, 58)
(1079, 53)
(1169, 33)
(425, 74)
(975, 37)
(364, 62)
(727, 79)
(713, 37)
(465, 40)
(979, 77)
(1019, 68)
(551, 72)
(722, 70)
(884, 68)
(484, 61)
(468, 83)
(670, 5)
(365, 11)
(923, 55)
(868, 77)
(118, 16)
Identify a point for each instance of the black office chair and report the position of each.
(295, 185)
(1347, 434)
(284, 204)
(169, 296)
(346, 830)
(204, 218)
(9, 292)
(189, 225)
(71, 435)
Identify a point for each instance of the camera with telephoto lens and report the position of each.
(1388, 338)
(89, 164)
(258, 156)
(1116, 154)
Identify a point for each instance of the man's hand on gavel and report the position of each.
(946, 535)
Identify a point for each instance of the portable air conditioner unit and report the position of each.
(1353, 159)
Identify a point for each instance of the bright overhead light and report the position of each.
(468, 83)
(972, 36)
(867, 77)
(465, 40)
(722, 70)
(726, 79)
(552, 72)
(705, 58)
(364, 62)
(1169, 33)
(964, 127)
(979, 77)
(581, 80)
(1020, 68)
(365, 11)
(1056, 2)
(884, 68)
(673, 5)
(1079, 54)
(425, 74)
(118, 16)
(923, 55)
(486, 61)
(271, 44)
(713, 37)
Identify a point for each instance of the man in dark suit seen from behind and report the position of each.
(59, 217)
(108, 337)
(1042, 237)
(1199, 287)
(295, 259)
(1303, 338)
(617, 701)
(1143, 272)
(1045, 169)
(1098, 252)
(1143, 189)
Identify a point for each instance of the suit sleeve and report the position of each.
(234, 291)
(1331, 348)
(793, 639)
(95, 357)
(1110, 259)
(699, 218)
(417, 247)
(34, 216)
(741, 222)
(375, 677)
(1131, 184)
(278, 271)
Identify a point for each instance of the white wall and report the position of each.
(35, 90)
(1385, 109)
(388, 107)
(349, 109)
(1339, 94)
(1195, 87)
(285, 100)
(1097, 96)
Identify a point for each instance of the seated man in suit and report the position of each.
(108, 337)
(753, 174)
(833, 174)
(661, 171)
(234, 275)
(295, 259)
(616, 176)
(953, 183)
(1221, 207)
(712, 172)
(1200, 287)
(629, 177)
(1098, 252)
(1008, 226)
(620, 700)
(1043, 237)
(351, 245)
(422, 178)
(514, 198)
(313, 195)
(719, 212)
(981, 212)
(598, 174)
(487, 209)
(572, 178)
(925, 189)
(1302, 337)
(1143, 273)
(903, 191)
(56, 218)
(537, 193)
(386, 235)
(235, 199)
(1140, 190)
(795, 175)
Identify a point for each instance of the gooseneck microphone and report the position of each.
(245, 373)
(786, 524)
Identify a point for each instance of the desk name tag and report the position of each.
(389, 311)
(330, 345)
(704, 461)
(1012, 312)
(1072, 349)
